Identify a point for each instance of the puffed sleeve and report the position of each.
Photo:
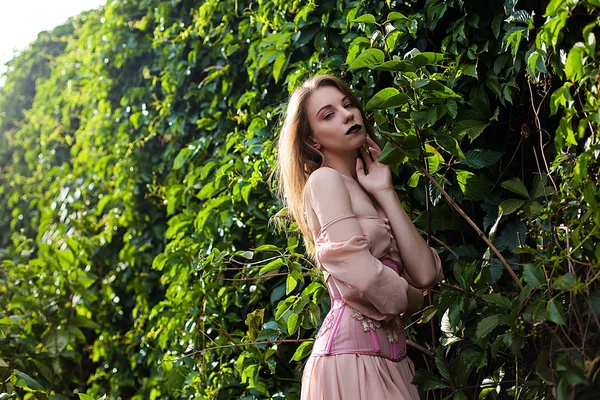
(343, 251)
(438, 267)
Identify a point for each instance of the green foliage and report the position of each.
(137, 255)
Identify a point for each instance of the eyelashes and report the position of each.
(326, 117)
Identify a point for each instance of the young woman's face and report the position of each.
(336, 122)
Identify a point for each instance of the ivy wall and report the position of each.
(140, 254)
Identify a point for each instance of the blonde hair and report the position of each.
(297, 158)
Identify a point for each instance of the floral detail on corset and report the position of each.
(393, 328)
(328, 321)
(367, 323)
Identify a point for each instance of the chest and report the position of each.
(364, 206)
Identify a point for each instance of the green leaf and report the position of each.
(247, 254)
(83, 396)
(267, 247)
(386, 98)
(460, 396)
(293, 323)
(391, 154)
(441, 363)
(425, 380)
(510, 206)
(283, 306)
(470, 70)
(290, 283)
(181, 158)
(56, 341)
(480, 158)
(433, 161)
(486, 325)
(368, 59)
(303, 350)
(568, 282)
(26, 381)
(470, 127)
(413, 181)
(254, 322)
(396, 16)
(83, 322)
(275, 264)
(556, 313)
(84, 279)
(427, 58)
(539, 188)
(365, 19)
(395, 66)
(472, 185)
(574, 64)
(533, 275)
(278, 66)
(449, 144)
(515, 185)
(499, 300)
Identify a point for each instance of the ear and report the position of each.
(315, 144)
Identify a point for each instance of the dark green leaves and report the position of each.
(473, 187)
(486, 326)
(574, 65)
(386, 98)
(515, 185)
(533, 275)
(368, 59)
(366, 18)
(472, 128)
(480, 158)
(302, 351)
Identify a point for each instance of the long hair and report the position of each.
(297, 158)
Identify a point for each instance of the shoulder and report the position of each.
(326, 185)
(323, 177)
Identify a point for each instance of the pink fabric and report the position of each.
(360, 350)
(358, 377)
(345, 330)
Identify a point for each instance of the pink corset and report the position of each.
(346, 331)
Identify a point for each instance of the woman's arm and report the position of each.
(415, 301)
(371, 287)
(416, 254)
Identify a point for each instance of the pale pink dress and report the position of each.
(360, 349)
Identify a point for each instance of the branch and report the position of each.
(479, 231)
(238, 345)
(419, 347)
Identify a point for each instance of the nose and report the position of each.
(348, 115)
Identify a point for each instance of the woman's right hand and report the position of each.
(379, 178)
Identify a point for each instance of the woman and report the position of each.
(374, 261)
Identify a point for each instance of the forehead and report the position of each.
(323, 96)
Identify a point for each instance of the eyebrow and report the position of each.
(329, 105)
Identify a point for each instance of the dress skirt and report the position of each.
(358, 377)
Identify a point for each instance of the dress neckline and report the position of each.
(384, 220)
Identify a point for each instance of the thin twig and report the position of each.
(539, 126)
(438, 241)
(419, 347)
(238, 345)
(479, 231)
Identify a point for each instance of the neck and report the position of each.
(345, 164)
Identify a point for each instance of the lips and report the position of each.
(353, 129)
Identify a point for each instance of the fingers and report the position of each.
(375, 152)
(366, 156)
(371, 142)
